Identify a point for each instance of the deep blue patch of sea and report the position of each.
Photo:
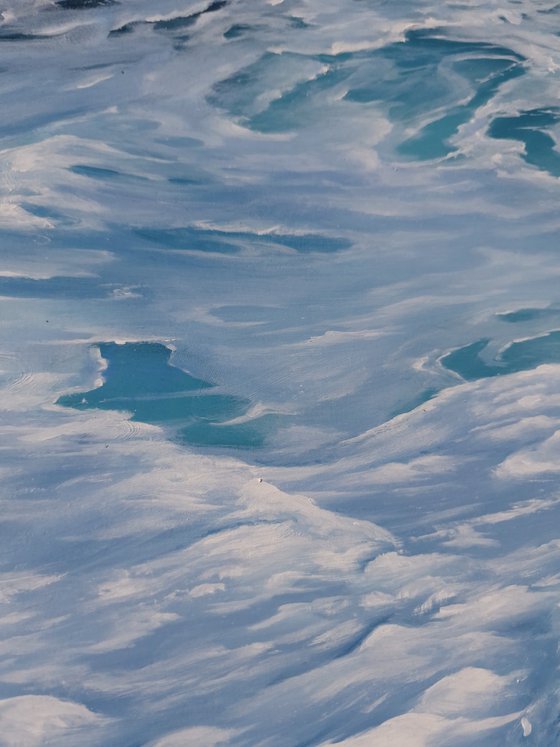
(280, 373)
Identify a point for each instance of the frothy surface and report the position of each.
(279, 368)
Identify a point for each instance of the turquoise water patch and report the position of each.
(413, 79)
(527, 128)
(529, 314)
(140, 379)
(413, 83)
(297, 75)
(433, 140)
(466, 361)
(295, 109)
(519, 356)
(414, 86)
(239, 436)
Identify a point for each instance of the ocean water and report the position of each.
(279, 373)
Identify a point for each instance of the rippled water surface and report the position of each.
(280, 373)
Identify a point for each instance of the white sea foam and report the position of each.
(32, 720)
(385, 569)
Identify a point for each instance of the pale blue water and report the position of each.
(280, 373)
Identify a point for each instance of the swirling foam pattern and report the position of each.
(279, 373)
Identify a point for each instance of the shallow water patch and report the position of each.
(427, 76)
(529, 314)
(518, 356)
(242, 94)
(140, 379)
(421, 75)
(529, 127)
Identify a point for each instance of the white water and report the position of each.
(365, 577)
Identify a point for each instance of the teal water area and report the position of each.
(413, 80)
(140, 379)
(486, 73)
(529, 314)
(529, 127)
(519, 356)
(422, 76)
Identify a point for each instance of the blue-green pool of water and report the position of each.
(140, 379)
(519, 356)
(529, 127)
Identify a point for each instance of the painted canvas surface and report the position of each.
(279, 373)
